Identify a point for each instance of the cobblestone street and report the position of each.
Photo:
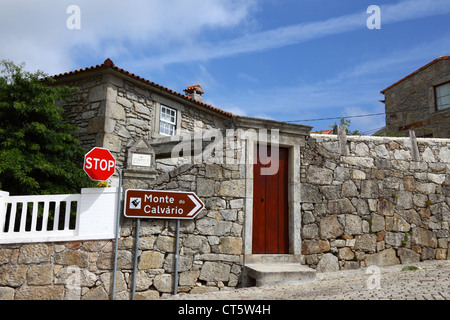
(431, 281)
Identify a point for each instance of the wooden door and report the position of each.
(270, 205)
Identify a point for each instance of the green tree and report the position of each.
(39, 152)
(345, 123)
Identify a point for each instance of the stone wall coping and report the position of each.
(376, 138)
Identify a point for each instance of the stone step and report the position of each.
(278, 273)
(273, 258)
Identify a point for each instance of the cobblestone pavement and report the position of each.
(431, 281)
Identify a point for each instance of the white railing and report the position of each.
(69, 217)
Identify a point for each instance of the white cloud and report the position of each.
(36, 31)
(294, 34)
(154, 33)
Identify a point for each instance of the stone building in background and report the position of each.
(420, 102)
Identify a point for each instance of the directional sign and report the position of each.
(99, 164)
(162, 204)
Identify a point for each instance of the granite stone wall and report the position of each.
(364, 201)
(210, 248)
(375, 205)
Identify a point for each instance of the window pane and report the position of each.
(167, 123)
(443, 96)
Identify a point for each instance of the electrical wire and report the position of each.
(362, 115)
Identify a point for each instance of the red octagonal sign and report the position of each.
(99, 164)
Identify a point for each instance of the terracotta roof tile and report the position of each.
(324, 132)
(108, 63)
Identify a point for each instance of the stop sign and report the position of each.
(99, 164)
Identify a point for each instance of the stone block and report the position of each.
(341, 206)
(369, 189)
(97, 293)
(378, 223)
(404, 200)
(441, 254)
(231, 188)
(408, 256)
(40, 275)
(385, 207)
(328, 263)
(189, 278)
(310, 193)
(330, 227)
(72, 258)
(34, 253)
(163, 283)
(215, 271)
(40, 293)
(97, 93)
(13, 275)
(383, 258)
(366, 242)
(397, 223)
(7, 293)
(5, 255)
(394, 238)
(428, 253)
(315, 246)
(319, 175)
(349, 189)
(230, 245)
(197, 243)
(150, 260)
(423, 237)
(346, 254)
(165, 244)
(353, 224)
(147, 295)
(310, 231)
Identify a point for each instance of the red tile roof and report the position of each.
(108, 63)
(192, 88)
(324, 132)
(418, 70)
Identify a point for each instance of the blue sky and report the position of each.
(285, 60)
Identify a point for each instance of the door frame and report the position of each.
(293, 144)
(274, 215)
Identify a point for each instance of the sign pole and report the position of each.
(138, 224)
(119, 196)
(177, 241)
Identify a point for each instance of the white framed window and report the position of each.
(167, 121)
(442, 93)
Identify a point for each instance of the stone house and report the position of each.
(118, 110)
(114, 107)
(420, 101)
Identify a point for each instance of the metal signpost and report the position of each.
(100, 165)
(157, 204)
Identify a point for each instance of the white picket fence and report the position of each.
(90, 215)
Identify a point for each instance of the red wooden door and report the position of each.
(270, 205)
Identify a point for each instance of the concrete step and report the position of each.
(274, 258)
(278, 273)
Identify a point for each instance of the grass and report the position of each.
(410, 268)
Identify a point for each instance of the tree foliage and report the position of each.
(39, 153)
(345, 123)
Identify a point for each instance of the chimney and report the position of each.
(195, 92)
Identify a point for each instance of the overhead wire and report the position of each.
(370, 131)
(360, 115)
